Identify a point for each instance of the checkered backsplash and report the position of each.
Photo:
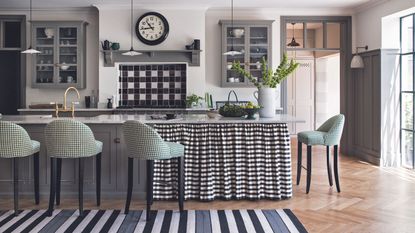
(161, 85)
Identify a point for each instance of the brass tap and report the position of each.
(65, 108)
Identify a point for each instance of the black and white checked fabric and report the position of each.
(227, 161)
(189, 221)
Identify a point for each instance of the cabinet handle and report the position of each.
(117, 140)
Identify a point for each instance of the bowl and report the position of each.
(65, 67)
(238, 33)
(212, 114)
(251, 113)
(170, 116)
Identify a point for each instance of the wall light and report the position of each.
(357, 60)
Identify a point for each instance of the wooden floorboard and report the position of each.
(373, 199)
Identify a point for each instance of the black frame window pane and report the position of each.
(407, 34)
(407, 72)
(407, 116)
(407, 148)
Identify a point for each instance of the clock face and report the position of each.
(152, 28)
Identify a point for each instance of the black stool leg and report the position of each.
(336, 167)
(52, 186)
(16, 185)
(150, 169)
(81, 186)
(329, 166)
(58, 180)
(180, 180)
(308, 168)
(98, 181)
(130, 185)
(299, 161)
(36, 176)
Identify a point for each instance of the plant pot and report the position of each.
(268, 101)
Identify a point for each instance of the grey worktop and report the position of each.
(121, 118)
(117, 110)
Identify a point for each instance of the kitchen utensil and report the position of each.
(106, 45)
(115, 46)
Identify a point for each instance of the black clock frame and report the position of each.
(163, 36)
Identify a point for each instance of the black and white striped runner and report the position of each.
(169, 221)
(228, 161)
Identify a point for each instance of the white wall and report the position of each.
(368, 23)
(213, 42)
(89, 15)
(185, 26)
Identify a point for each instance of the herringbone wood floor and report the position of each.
(373, 199)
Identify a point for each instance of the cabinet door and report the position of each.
(44, 41)
(233, 39)
(68, 55)
(259, 45)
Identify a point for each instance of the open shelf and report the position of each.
(192, 57)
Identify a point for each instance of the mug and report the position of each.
(115, 46)
(196, 44)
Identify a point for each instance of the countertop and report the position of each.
(121, 118)
(116, 110)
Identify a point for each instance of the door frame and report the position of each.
(345, 58)
(23, 57)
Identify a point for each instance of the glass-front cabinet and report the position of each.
(61, 63)
(252, 41)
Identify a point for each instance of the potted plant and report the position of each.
(193, 100)
(268, 83)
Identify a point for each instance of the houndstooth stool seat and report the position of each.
(144, 143)
(70, 139)
(328, 134)
(15, 143)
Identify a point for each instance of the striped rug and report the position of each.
(199, 221)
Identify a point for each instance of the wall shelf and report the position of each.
(192, 57)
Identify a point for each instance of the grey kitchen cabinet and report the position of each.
(113, 168)
(62, 61)
(253, 38)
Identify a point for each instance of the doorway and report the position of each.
(12, 63)
(313, 91)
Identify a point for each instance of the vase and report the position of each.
(268, 102)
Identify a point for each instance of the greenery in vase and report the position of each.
(269, 77)
(193, 100)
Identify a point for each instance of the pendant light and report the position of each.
(30, 50)
(132, 52)
(232, 52)
(293, 43)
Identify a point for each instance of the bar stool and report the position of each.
(328, 134)
(144, 143)
(14, 144)
(70, 139)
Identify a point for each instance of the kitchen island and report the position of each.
(226, 158)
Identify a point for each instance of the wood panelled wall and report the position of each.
(367, 107)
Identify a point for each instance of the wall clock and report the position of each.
(152, 28)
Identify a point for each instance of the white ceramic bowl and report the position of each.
(238, 33)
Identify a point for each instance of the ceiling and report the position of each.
(23, 4)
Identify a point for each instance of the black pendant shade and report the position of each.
(293, 43)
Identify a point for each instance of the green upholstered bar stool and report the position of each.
(144, 143)
(70, 139)
(14, 144)
(328, 134)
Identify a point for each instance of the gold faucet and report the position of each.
(65, 108)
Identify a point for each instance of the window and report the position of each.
(407, 56)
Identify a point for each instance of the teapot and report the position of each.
(106, 45)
